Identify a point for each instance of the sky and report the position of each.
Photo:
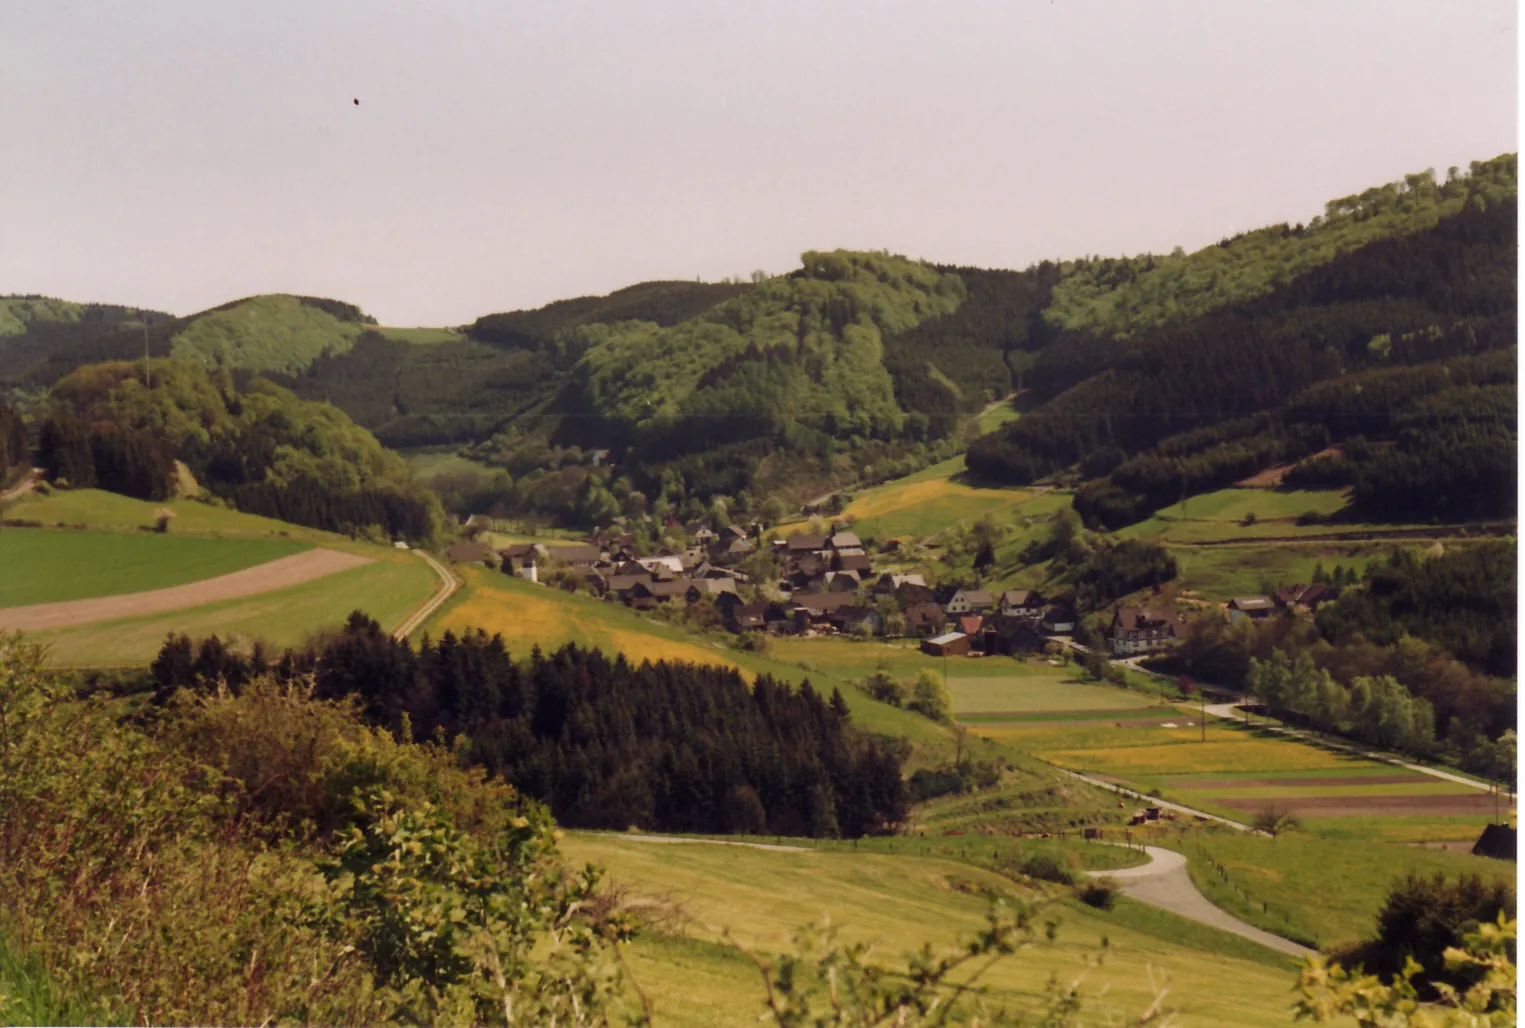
(177, 154)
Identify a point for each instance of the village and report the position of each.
(825, 583)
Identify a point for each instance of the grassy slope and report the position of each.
(48, 566)
(386, 590)
(933, 499)
(265, 333)
(897, 902)
(102, 510)
(1326, 891)
(529, 615)
(420, 336)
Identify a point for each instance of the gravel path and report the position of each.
(262, 578)
(1164, 883)
(448, 586)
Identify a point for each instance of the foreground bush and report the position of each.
(268, 858)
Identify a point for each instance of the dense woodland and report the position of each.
(14, 445)
(1170, 416)
(606, 744)
(1151, 378)
(121, 426)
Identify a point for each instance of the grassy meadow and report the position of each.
(934, 499)
(387, 590)
(421, 336)
(896, 902)
(45, 566)
(97, 509)
(1323, 891)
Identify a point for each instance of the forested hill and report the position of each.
(122, 425)
(1186, 367)
(1197, 406)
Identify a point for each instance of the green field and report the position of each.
(1324, 891)
(51, 566)
(1038, 688)
(897, 903)
(425, 464)
(994, 416)
(418, 336)
(96, 508)
(386, 590)
(1234, 505)
(934, 499)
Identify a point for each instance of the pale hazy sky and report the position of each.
(180, 153)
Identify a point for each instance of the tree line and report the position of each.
(666, 746)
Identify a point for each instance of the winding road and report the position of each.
(1165, 883)
(448, 585)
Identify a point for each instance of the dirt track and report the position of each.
(1372, 806)
(262, 578)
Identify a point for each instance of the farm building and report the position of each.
(967, 601)
(1255, 608)
(1022, 603)
(1308, 596)
(1058, 619)
(1497, 841)
(953, 644)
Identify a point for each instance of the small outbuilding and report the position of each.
(953, 644)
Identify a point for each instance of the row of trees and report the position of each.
(1377, 710)
(14, 445)
(606, 744)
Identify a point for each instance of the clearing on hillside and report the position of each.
(96, 508)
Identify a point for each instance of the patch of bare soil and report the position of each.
(262, 578)
(1270, 478)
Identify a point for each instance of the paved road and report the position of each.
(1165, 883)
(1150, 801)
(448, 585)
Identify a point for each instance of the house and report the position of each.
(749, 617)
(1058, 619)
(815, 611)
(1142, 630)
(732, 550)
(621, 585)
(855, 621)
(846, 541)
(969, 624)
(924, 619)
(577, 555)
(910, 594)
(800, 544)
(1308, 596)
(647, 594)
(861, 563)
(967, 601)
(953, 644)
(472, 553)
(522, 560)
(703, 534)
(843, 581)
(1254, 608)
(1010, 635)
(1022, 603)
(889, 583)
(671, 563)
(699, 588)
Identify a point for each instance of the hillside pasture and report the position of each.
(897, 902)
(931, 500)
(1325, 891)
(420, 336)
(51, 566)
(387, 589)
(98, 509)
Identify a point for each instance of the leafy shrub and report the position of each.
(1098, 892)
(1047, 867)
